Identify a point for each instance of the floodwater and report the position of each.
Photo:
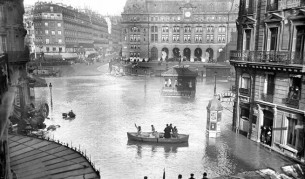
(107, 107)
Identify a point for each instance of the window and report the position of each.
(176, 37)
(300, 43)
(53, 32)
(60, 49)
(154, 37)
(176, 29)
(46, 24)
(165, 29)
(58, 24)
(221, 38)
(51, 8)
(221, 29)
(291, 132)
(198, 38)
(210, 38)
(198, 29)
(59, 41)
(248, 39)
(59, 32)
(187, 38)
(245, 81)
(210, 29)
(3, 46)
(164, 38)
(48, 49)
(46, 32)
(47, 41)
(154, 29)
(54, 49)
(273, 42)
(295, 87)
(187, 29)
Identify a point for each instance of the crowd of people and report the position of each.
(169, 131)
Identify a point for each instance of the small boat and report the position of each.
(68, 115)
(148, 137)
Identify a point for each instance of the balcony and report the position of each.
(272, 7)
(293, 103)
(244, 91)
(285, 58)
(292, 4)
(267, 98)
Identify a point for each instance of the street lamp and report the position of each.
(50, 86)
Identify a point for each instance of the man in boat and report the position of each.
(175, 132)
(139, 129)
(167, 131)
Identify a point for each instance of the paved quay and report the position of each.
(33, 158)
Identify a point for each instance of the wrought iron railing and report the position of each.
(272, 7)
(267, 98)
(268, 57)
(244, 91)
(294, 103)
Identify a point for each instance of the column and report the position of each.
(260, 121)
(273, 125)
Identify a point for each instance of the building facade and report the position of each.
(269, 64)
(115, 34)
(190, 29)
(29, 27)
(13, 86)
(64, 29)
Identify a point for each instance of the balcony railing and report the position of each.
(285, 58)
(244, 91)
(291, 4)
(272, 7)
(267, 98)
(294, 103)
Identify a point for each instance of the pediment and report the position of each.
(274, 17)
(248, 20)
(298, 14)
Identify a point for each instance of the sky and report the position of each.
(104, 7)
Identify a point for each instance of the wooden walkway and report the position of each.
(33, 158)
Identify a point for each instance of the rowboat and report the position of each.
(148, 137)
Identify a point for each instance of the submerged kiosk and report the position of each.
(179, 81)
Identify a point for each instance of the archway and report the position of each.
(186, 54)
(198, 54)
(154, 53)
(176, 53)
(166, 51)
(210, 54)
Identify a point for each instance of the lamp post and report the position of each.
(50, 86)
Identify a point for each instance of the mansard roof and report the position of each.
(174, 6)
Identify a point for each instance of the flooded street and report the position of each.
(107, 107)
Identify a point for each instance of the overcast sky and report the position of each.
(104, 7)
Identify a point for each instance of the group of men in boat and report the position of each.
(169, 131)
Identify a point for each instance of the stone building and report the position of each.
(115, 36)
(29, 39)
(64, 29)
(13, 59)
(194, 30)
(269, 65)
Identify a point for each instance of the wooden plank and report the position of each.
(72, 173)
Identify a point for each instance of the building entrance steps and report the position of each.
(40, 158)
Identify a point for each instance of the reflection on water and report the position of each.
(107, 107)
(167, 148)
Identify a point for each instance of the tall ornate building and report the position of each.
(29, 27)
(64, 29)
(269, 64)
(193, 29)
